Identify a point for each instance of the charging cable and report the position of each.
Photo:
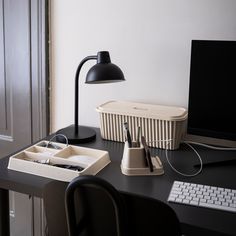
(172, 167)
(181, 173)
(189, 143)
(55, 146)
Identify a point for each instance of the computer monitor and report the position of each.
(212, 93)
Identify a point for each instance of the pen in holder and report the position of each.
(134, 162)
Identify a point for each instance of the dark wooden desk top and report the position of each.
(153, 186)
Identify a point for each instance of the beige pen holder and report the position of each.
(134, 162)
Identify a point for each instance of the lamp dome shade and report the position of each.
(104, 71)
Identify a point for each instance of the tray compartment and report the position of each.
(92, 159)
(41, 151)
(81, 155)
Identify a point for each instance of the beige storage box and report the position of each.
(162, 126)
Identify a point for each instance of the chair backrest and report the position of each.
(94, 207)
(148, 216)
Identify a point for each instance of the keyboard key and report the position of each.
(171, 199)
(221, 199)
(217, 202)
(176, 189)
(176, 192)
(210, 201)
(228, 190)
(193, 203)
(186, 201)
(229, 200)
(178, 200)
(225, 203)
(203, 200)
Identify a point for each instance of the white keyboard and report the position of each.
(203, 196)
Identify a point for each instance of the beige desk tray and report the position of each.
(92, 160)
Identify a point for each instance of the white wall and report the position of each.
(150, 40)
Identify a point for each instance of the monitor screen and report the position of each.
(212, 91)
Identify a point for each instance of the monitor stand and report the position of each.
(211, 141)
(217, 143)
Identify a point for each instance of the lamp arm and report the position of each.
(76, 123)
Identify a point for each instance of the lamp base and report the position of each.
(84, 135)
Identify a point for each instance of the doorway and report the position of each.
(24, 96)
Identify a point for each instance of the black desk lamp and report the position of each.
(103, 72)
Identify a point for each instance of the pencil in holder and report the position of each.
(134, 162)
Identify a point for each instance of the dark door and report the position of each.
(23, 80)
(23, 96)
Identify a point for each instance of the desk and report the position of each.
(194, 220)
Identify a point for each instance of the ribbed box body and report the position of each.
(164, 131)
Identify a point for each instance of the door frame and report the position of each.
(40, 68)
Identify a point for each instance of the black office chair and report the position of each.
(94, 207)
(54, 205)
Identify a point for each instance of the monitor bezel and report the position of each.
(199, 138)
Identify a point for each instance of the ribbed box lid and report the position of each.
(144, 110)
